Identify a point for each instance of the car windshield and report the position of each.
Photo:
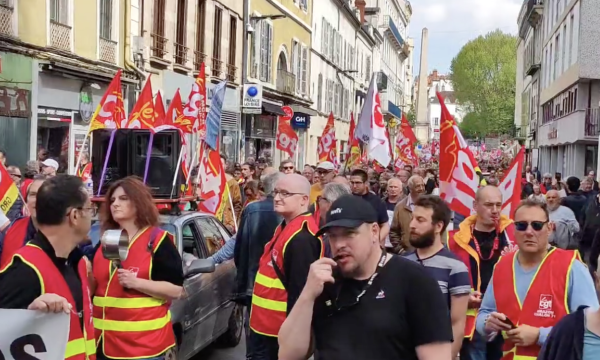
(95, 231)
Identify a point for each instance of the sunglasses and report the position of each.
(535, 225)
(288, 168)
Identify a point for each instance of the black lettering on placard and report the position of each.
(5, 205)
(17, 348)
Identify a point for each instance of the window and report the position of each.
(336, 100)
(326, 107)
(200, 16)
(368, 71)
(320, 92)
(565, 65)
(296, 63)
(106, 14)
(218, 25)
(324, 39)
(562, 105)
(266, 51)
(213, 238)
(181, 22)
(551, 73)
(191, 241)
(572, 38)
(232, 39)
(436, 121)
(556, 57)
(159, 42)
(304, 5)
(59, 11)
(332, 42)
(304, 71)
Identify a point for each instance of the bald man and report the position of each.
(283, 267)
(479, 243)
(395, 194)
(339, 179)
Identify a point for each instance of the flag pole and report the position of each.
(176, 172)
(148, 153)
(107, 156)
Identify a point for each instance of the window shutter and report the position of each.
(304, 70)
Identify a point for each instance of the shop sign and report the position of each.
(55, 114)
(300, 121)
(252, 98)
(14, 102)
(86, 103)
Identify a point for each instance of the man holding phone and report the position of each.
(533, 288)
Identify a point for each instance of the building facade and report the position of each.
(342, 67)
(280, 38)
(172, 38)
(569, 90)
(58, 57)
(441, 83)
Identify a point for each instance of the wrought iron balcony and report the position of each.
(231, 72)
(181, 54)
(217, 67)
(60, 36)
(7, 11)
(286, 82)
(592, 122)
(199, 58)
(159, 45)
(108, 50)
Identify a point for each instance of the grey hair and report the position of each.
(332, 191)
(547, 175)
(412, 179)
(268, 182)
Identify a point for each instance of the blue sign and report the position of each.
(300, 121)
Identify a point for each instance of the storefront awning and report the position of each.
(273, 109)
(303, 110)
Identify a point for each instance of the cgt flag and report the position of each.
(8, 190)
(287, 139)
(327, 150)
(510, 185)
(214, 190)
(142, 115)
(193, 117)
(110, 113)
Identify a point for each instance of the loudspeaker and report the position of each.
(128, 157)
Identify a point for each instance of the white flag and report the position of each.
(371, 127)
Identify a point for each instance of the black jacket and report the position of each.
(590, 222)
(565, 341)
(577, 202)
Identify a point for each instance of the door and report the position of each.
(224, 273)
(200, 317)
(77, 141)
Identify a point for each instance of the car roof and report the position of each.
(185, 215)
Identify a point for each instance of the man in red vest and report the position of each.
(532, 288)
(21, 230)
(283, 267)
(50, 273)
(479, 242)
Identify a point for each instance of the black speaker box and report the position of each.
(128, 157)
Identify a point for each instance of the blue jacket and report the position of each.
(257, 226)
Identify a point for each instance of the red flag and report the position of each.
(160, 118)
(110, 113)
(142, 115)
(510, 187)
(193, 117)
(214, 189)
(287, 139)
(405, 150)
(354, 152)
(327, 149)
(458, 170)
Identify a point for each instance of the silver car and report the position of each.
(206, 314)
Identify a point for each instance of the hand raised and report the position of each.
(320, 272)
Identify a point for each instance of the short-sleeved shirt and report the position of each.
(451, 274)
(379, 205)
(389, 321)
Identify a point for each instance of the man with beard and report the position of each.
(566, 225)
(431, 216)
(479, 242)
(356, 306)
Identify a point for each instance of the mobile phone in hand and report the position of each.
(509, 323)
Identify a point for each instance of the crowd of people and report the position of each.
(336, 263)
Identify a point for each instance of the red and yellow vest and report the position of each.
(546, 301)
(81, 344)
(269, 298)
(14, 239)
(129, 323)
(85, 172)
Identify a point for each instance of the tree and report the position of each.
(483, 76)
(411, 116)
(472, 126)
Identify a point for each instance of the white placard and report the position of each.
(26, 333)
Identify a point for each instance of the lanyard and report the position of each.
(495, 247)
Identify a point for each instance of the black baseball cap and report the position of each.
(348, 211)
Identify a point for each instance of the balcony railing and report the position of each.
(286, 82)
(181, 54)
(231, 72)
(7, 11)
(521, 132)
(60, 36)
(159, 45)
(390, 25)
(592, 122)
(108, 51)
(530, 15)
(532, 64)
(217, 67)
(199, 58)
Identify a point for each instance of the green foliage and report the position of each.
(483, 76)
(472, 126)
(411, 116)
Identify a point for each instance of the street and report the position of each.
(214, 353)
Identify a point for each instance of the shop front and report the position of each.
(64, 112)
(260, 128)
(231, 126)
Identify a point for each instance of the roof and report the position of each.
(448, 96)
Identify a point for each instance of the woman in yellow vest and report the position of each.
(131, 303)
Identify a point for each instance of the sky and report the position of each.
(452, 24)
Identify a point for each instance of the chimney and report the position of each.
(360, 5)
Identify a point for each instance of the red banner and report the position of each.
(327, 149)
(110, 113)
(287, 139)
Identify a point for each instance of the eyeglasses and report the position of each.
(323, 172)
(93, 211)
(288, 168)
(535, 225)
(284, 194)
